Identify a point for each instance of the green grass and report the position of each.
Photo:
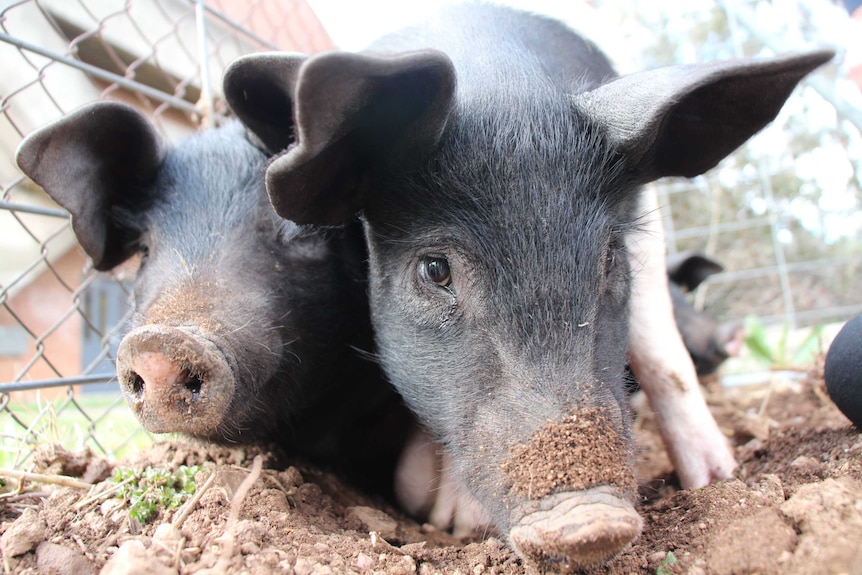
(781, 351)
(666, 567)
(100, 421)
(148, 492)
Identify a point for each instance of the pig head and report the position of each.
(497, 165)
(246, 325)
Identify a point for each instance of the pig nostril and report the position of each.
(194, 382)
(137, 384)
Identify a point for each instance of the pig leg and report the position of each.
(455, 506)
(426, 487)
(417, 474)
(659, 360)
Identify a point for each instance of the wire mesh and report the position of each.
(60, 321)
(782, 213)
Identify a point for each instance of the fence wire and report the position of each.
(784, 213)
(59, 325)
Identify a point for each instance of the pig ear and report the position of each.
(259, 89)
(91, 162)
(353, 113)
(683, 120)
(690, 269)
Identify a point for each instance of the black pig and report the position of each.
(497, 165)
(246, 325)
(708, 342)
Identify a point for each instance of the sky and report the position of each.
(353, 25)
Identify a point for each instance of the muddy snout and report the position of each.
(574, 489)
(174, 380)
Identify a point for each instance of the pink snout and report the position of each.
(174, 380)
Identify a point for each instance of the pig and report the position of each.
(497, 163)
(708, 342)
(247, 327)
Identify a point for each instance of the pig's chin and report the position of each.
(175, 380)
(568, 531)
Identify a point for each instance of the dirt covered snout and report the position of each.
(576, 489)
(174, 380)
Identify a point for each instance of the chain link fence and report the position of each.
(783, 213)
(59, 325)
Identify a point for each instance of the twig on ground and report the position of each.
(186, 510)
(242, 491)
(767, 397)
(87, 553)
(178, 560)
(25, 496)
(62, 480)
(797, 368)
(376, 538)
(279, 485)
(228, 539)
(176, 551)
(102, 494)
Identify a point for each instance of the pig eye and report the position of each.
(436, 269)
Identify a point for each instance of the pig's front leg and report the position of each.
(659, 360)
(427, 488)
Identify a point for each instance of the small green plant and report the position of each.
(778, 354)
(154, 488)
(666, 567)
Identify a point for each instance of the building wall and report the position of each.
(290, 25)
(41, 307)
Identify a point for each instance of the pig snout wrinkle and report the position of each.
(175, 381)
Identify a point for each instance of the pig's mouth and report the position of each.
(175, 380)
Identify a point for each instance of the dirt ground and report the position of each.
(795, 507)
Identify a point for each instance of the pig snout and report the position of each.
(732, 336)
(574, 493)
(174, 380)
(574, 530)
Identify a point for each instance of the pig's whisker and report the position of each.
(286, 349)
(366, 355)
(282, 318)
(240, 328)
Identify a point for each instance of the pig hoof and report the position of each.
(574, 530)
